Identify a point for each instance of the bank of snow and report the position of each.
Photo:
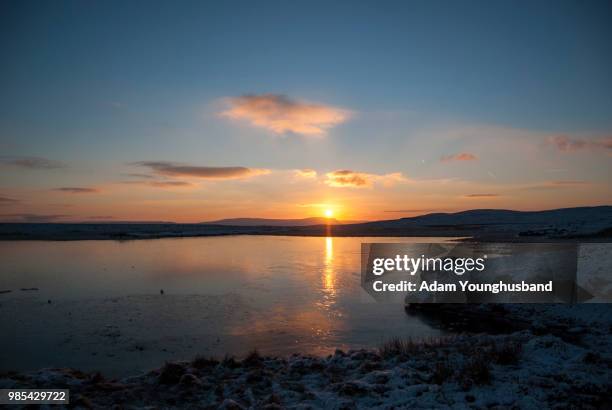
(517, 370)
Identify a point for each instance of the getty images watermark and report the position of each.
(487, 272)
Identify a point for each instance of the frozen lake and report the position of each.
(98, 306)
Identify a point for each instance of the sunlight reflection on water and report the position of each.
(221, 294)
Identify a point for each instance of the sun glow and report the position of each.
(329, 213)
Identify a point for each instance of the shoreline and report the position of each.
(561, 359)
(127, 232)
(451, 235)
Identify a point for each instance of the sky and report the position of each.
(196, 111)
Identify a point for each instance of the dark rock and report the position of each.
(171, 373)
(189, 380)
(591, 357)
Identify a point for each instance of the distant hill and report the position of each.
(500, 223)
(278, 222)
(557, 218)
(570, 219)
(480, 224)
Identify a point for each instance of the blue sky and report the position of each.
(98, 85)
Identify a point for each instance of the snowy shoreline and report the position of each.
(561, 358)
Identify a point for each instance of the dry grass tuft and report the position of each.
(253, 359)
(202, 362)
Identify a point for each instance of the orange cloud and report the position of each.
(347, 178)
(306, 173)
(463, 156)
(566, 144)
(174, 169)
(280, 114)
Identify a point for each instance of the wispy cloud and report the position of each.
(567, 144)
(176, 169)
(77, 190)
(315, 205)
(391, 179)
(32, 162)
(7, 201)
(281, 114)
(32, 217)
(137, 175)
(463, 156)
(305, 173)
(161, 184)
(157, 181)
(569, 182)
(165, 184)
(482, 195)
(558, 184)
(347, 178)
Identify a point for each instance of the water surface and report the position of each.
(99, 307)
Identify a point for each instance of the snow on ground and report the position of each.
(531, 368)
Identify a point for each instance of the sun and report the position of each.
(329, 213)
